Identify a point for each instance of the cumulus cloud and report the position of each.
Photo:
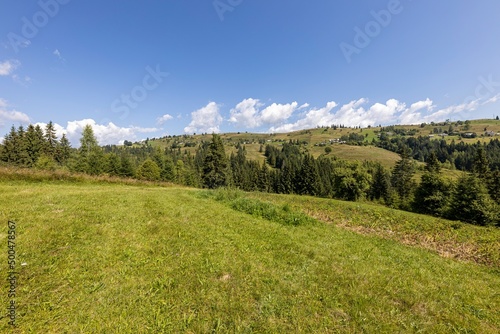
(247, 113)
(161, 120)
(314, 117)
(8, 67)
(207, 119)
(106, 134)
(360, 113)
(11, 116)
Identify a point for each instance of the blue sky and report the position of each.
(137, 69)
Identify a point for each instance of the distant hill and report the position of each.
(317, 139)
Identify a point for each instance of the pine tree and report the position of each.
(306, 180)
(433, 193)
(112, 164)
(63, 150)
(264, 181)
(9, 154)
(215, 165)
(402, 175)
(168, 170)
(471, 203)
(34, 144)
(90, 156)
(481, 166)
(20, 145)
(50, 140)
(432, 165)
(381, 184)
(126, 167)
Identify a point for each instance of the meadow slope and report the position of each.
(135, 259)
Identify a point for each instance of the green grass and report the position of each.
(120, 258)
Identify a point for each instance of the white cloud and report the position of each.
(161, 120)
(247, 113)
(8, 67)
(206, 119)
(413, 115)
(313, 118)
(106, 134)
(11, 116)
(276, 113)
(355, 114)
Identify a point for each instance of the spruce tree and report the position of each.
(402, 175)
(9, 154)
(381, 184)
(34, 144)
(471, 203)
(90, 156)
(50, 140)
(215, 165)
(481, 166)
(63, 150)
(433, 193)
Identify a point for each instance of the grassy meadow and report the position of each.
(141, 258)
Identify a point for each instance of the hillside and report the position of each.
(317, 139)
(136, 258)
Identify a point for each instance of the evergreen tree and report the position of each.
(480, 166)
(9, 154)
(90, 156)
(180, 172)
(433, 193)
(50, 140)
(112, 164)
(34, 144)
(168, 170)
(494, 186)
(264, 181)
(63, 150)
(306, 180)
(215, 165)
(126, 167)
(381, 184)
(20, 147)
(402, 175)
(471, 203)
(432, 165)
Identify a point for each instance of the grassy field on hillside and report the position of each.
(106, 258)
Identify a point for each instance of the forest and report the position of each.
(288, 169)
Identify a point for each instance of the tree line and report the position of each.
(460, 156)
(287, 169)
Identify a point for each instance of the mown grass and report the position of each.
(451, 239)
(118, 258)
